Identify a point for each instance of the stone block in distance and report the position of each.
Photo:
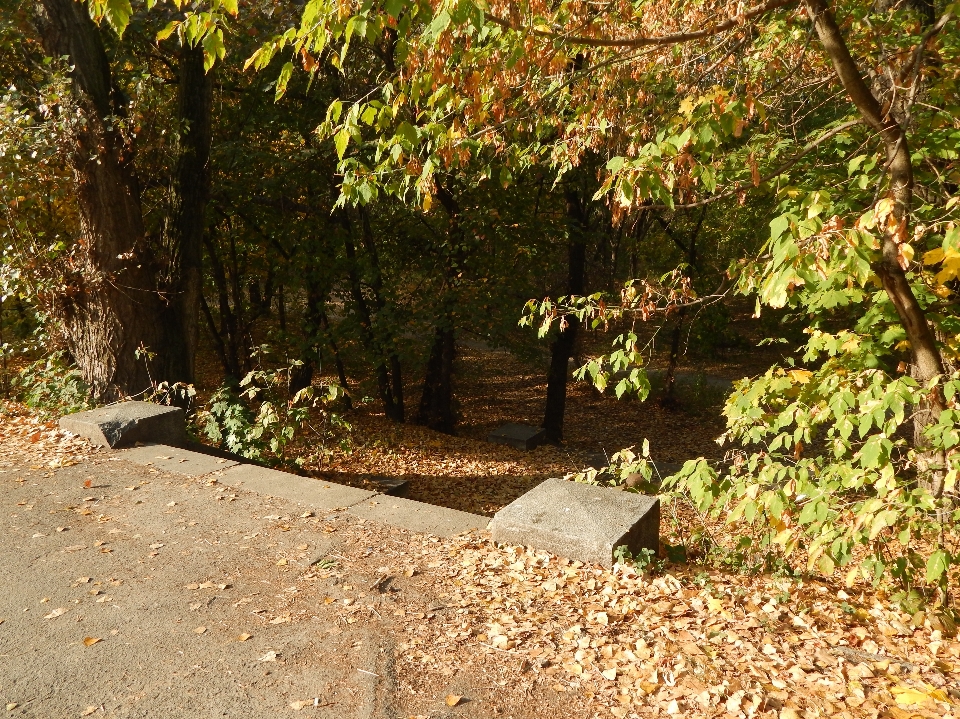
(521, 436)
(126, 423)
(579, 521)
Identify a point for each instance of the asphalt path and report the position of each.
(130, 592)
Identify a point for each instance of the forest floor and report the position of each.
(242, 605)
(493, 387)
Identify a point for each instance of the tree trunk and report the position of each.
(112, 307)
(185, 224)
(366, 327)
(562, 348)
(376, 286)
(926, 355)
(436, 401)
(690, 250)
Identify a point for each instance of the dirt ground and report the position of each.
(132, 592)
(493, 387)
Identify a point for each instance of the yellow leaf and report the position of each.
(933, 256)
(90, 641)
(800, 376)
(714, 605)
(610, 674)
(906, 251)
(686, 107)
(199, 630)
(884, 207)
(908, 696)
(244, 637)
(453, 699)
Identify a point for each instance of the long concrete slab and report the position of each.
(417, 516)
(175, 459)
(317, 493)
(313, 492)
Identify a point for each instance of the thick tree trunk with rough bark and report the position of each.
(927, 360)
(111, 307)
(563, 346)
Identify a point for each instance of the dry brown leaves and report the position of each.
(688, 643)
(48, 446)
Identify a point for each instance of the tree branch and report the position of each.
(661, 40)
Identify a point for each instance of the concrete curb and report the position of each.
(406, 514)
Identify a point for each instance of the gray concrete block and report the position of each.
(176, 459)
(313, 492)
(417, 516)
(579, 521)
(521, 436)
(126, 423)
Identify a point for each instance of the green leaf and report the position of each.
(285, 72)
(341, 141)
(937, 565)
(168, 30)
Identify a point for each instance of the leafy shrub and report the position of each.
(258, 420)
(52, 387)
(857, 502)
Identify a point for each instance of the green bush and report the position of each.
(52, 387)
(257, 420)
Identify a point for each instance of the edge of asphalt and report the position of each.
(318, 494)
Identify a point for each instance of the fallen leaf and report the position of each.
(610, 674)
(88, 711)
(453, 699)
(303, 703)
(244, 637)
(282, 563)
(11, 706)
(199, 630)
(90, 641)
(156, 546)
(270, 656)
(908, 696)
(281, 620)
(56, 613)
(75, 548)
(87, 484)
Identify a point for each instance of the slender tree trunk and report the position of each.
(185, 225)
(376, 286)
(690, 250)
(337, 360)
(436, 401)
(563, 346)
(926, 355)
(366, 327)
(113, 307)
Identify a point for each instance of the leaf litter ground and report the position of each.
(690, 642)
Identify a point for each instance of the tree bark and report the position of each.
(112, 307)
(366, 326)
(563, 346)
(436, 401)
(189, 193)
(376, 286)
(926, 355)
